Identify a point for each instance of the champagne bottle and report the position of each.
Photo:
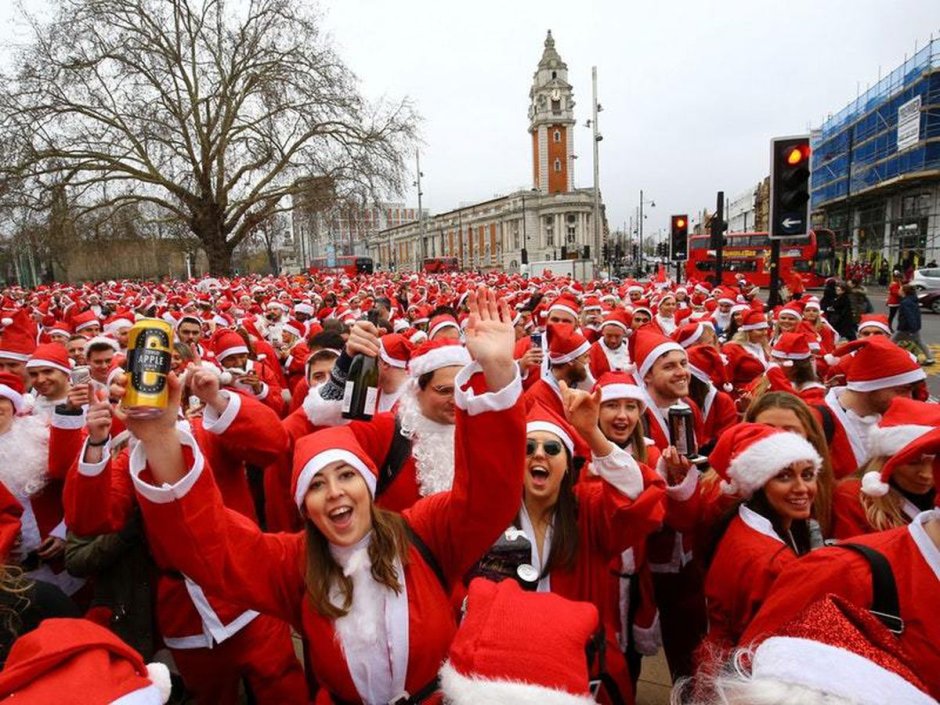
(362, 383)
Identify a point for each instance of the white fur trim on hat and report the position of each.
(550, 427)
(441, 326)
(871, 385)
(657, 353)
(228, 352)
(755, 326)
(752, 468)
(889, 440)
(568, 357)
(10, 355)
(401, 364)
(459, 689)
(39, 362)
(875, 324)
(320, 461)
(562, 307)
(110, 342)
(616, 323)
(834, 670)
(609, 392)
(15, 397)
(86, 324)
(444, 356)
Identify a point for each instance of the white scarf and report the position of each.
(374, 633)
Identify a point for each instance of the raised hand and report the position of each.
(98, 419)
(202, 383)
(490, 337)
(151, 428)
(581, 408)
(363, 338)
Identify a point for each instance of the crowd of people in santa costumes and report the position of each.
(559, 480)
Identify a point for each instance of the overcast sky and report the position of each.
(692, 90)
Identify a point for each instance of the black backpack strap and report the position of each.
(428, 557)
(398, 453)
(596, 652)
(828, 422)
(884, 604)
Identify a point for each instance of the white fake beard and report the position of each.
(432, 444)
(24, 456)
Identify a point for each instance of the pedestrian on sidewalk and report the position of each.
(894, 297)
(909, 322)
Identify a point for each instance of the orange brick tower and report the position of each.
(551, 122)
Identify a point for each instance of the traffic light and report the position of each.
(636, 252)
(680, 237)
(789, 186)
(605, 254)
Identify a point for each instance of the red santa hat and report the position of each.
(878, 363)
(566, 304)
(318, 450)
(790, 347)
(18, 340)
(305, 308)
(435, 354)
(852, 658)
(102, 340)
(793, 310)
(875, 320)
(51, 355)
(440, 322)
(84, 320)
(707, 365)
(11, 388)
(227, 342)
(500, 654)
(119, 322)
(565, 343)
(620, 385)
(619, 318)
(541, 418)
(395, 349)
(60, 328)
(905, 421)
(747, 455)
(77, 661)
(295, 328)
(754, 320)
(688, 334)
(648, 346)
(813, 303)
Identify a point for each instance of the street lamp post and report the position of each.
(595, 109)
(652, 204)
(421, 250)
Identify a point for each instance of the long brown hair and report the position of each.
(884, 512)
(389, 541)
(822, 504)
(564, 550)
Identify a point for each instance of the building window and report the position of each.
(571, 218)
(557, 136)
(554, 74)
(572, 234)
(557, 166)
(549, 231)
(556, 106)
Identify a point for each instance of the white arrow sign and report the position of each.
(789, 223)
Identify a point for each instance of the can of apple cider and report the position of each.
(149, 358)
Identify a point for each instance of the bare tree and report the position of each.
(214, 112)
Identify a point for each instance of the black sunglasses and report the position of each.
(551, 448)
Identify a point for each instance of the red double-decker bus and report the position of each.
(440, 265)
(345, 264)
(811, 256)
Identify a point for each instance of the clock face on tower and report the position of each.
(556, 94)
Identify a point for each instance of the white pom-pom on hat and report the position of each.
(873, 486)
(159, 675)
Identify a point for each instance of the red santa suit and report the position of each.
(848, 449)
(212, 639)
(10, 512)
(402, 652)
(848, 514)
(749, 558)
(603, 359)
(915, 562)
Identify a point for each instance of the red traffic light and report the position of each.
(797, 154)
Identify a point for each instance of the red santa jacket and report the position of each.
(10, 512)
(99, 499)
(848, 514)
(915, 561)
(231, 556)
(598, 359)
(749, 558)
(847, 450)
(719, 414)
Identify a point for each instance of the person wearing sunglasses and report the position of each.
(577, 526)
(862, 504)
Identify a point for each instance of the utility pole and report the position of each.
(717, 236)
(597, 194)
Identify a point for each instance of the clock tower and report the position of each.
(551, 123)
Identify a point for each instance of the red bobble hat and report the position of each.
(749, 454)
(620, 318)
(876, 320)
(227, 342)
(78, 662)
(878, 363)
(837, 649)
(395, 349)
(790, 347)
(11, 388)
(754, 320)
(519, 648)
(565, 343)
(707, 364)
(318, 450)
(18, 341)
(440, 322)
(648, 346)
(620, 385)
(435, 354)
(905, 421)
(51, 355)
